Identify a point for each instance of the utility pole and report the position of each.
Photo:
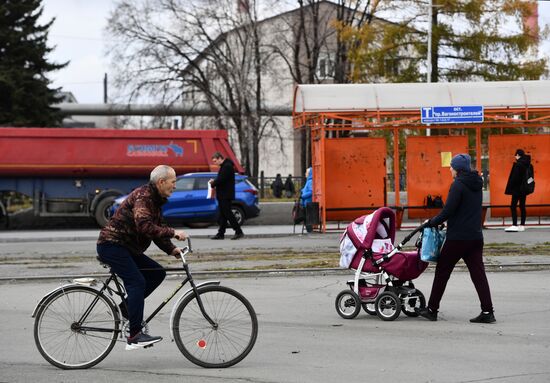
(105, 89)
(429, 70)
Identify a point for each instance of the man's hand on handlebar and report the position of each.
(180, 235)
(176, 252)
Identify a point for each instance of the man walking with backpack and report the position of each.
(521, 183)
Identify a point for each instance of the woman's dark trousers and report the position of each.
(471, 251)
(513, 206)
(139, 284)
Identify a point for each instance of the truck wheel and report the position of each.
(102, 211)
(4, 218)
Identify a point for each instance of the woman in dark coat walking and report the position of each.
(515, 188)
(462, 211)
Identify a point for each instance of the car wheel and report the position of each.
(239, 214)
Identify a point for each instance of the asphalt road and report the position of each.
(302, 339)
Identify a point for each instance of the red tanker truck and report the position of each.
(73, 172)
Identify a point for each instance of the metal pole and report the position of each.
(105, 89)
(262, 184)
(429, 70)
(430, 15)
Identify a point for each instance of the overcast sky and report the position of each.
(78, 37)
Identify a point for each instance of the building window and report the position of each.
(325, 66)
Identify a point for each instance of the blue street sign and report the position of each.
(451, 114)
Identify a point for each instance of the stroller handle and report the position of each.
(412, 234)
(397, 248)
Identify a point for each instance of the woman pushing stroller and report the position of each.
(462, 211)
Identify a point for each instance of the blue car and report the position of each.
(188, 203)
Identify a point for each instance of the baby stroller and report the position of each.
(383, 274)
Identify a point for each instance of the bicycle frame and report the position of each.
(119, 290)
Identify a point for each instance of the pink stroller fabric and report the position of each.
(379, 225)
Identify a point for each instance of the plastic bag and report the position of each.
(432, 242)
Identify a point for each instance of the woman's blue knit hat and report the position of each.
(461, 162)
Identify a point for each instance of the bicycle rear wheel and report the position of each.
(69, 343)
(218, 346)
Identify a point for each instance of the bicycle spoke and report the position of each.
(220, 346)
(68, 344)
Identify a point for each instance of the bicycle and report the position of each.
(77, 325)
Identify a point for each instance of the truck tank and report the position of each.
(70, 152)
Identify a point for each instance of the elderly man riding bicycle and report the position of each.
(128, 234)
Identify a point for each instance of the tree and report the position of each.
(472, 40)
(204, 54)
(25, 96)
(313, 46)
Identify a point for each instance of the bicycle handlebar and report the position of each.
(186, 250)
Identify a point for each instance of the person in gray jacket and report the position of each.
(462, 211)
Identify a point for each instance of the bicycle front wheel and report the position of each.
(227, 342)
(76, 328)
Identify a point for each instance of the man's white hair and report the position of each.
(161, 172)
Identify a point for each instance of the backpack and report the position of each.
(433, 202)
(528, 182)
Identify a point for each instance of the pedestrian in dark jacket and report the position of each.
(277, 186)
(514, 187)
(225, 194)
(121, 245)
(462, 211)
(290, 189)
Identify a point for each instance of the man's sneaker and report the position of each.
(484, 317)
(427, 313)
(521, 228)
(217, 236)
(141, 340)
(512, 229)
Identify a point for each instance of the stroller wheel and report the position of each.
(388, 306)
(348, 304)
(369, 308)
(411, 302)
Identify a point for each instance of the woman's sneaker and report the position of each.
(521, 228)
(141, 340)
(484, 317)
(512, 229)
(427, 313)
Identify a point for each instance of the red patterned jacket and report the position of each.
(138, 221)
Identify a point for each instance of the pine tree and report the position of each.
(25, 96)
